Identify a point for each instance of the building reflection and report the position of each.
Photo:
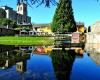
(18, 55)
(93, 50)
(4, 48)
(13, 56)
(92, 47)
(21, 66)
(95, 57)
(42, 49)
(63, 62)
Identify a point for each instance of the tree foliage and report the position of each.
(5, 22)
(63, 20)
(62, 63)
(2, 13)
(39, 2)
(45, 2)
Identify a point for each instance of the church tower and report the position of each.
(21, 7)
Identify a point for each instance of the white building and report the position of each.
(20, 16)
(93, 38)
(95, 28)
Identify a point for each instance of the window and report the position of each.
(20, 8)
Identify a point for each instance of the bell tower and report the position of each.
(22, 7)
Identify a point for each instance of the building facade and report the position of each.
(80, 27)
(95, 28)
(93, 37)
(42, 29)
(20, 16)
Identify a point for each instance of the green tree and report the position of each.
(63, 20)
(2, 13)
(62, 62)
(5, 22)
(39, 2)
(45, 2)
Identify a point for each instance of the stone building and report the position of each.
(94, 35)
(2, 13)
(93, 38)
(95, 28)
(80, 27)
(20, 16)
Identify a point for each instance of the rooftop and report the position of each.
(6, 7)
(41, 25)
(79, 23)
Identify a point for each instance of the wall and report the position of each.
(92, 38)
(80, 28)
(6, 32)
(28, 19)
(92, 42)
(45, 29)
(20, 17)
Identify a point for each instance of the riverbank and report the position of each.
(26, 40)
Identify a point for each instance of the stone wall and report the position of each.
(92, 43)
(92, 38)
(96, 58)
(95, 28)
(16, 16)
(6, 32)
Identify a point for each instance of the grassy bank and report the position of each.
(26, 40)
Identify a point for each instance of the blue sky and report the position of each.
(87, 11)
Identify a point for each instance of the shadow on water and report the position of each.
(63, 61)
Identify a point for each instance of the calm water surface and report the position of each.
(36, 63)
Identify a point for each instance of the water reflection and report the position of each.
(21, 63)
(12, 57)
(42, 49)
(92, 47)
(48, 63)
(62, 62)
(93, 51)
(4, 48)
